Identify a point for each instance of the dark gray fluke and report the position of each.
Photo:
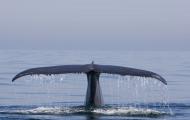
(93, 71)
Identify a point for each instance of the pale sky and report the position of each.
(95, 24)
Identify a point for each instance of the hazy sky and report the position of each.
(95, 24)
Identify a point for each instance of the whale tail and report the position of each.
(110, 69)
(93, 95)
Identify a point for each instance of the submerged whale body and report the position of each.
(93, 96)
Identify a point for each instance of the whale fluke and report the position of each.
(110, 69)
(93, 95)
(131, 72)
(63, 69)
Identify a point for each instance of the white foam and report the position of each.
(129, 111)
(123, 111)
(42, 110)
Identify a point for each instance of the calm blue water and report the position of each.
(62, 96)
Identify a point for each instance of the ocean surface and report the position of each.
(59, 97)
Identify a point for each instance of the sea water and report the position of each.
(60, 97)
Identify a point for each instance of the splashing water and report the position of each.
(134, 91)
(126, 95)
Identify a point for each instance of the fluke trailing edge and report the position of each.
(93, 71)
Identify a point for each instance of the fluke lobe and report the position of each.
(93, 95)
